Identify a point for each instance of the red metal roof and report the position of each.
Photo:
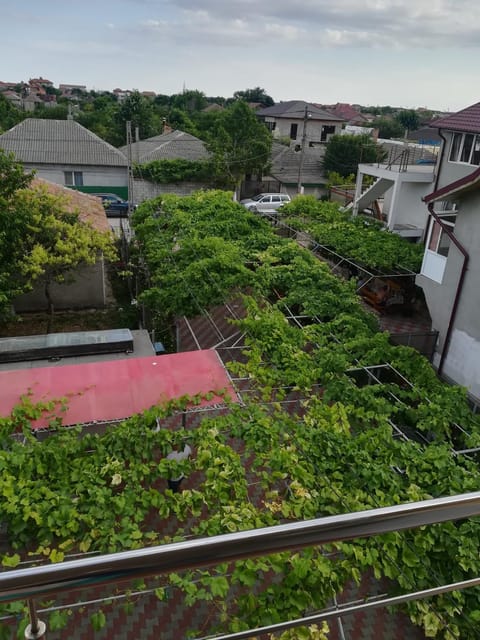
(116, 389)
(465, 120)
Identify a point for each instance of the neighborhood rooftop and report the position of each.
(465, 120)
(296, 109)
(44, 141)
(168, 146)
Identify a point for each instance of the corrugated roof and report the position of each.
(36, 141)
(89, 208)
(467, 120)
(293, 109)
(116, 389)
(168, 146)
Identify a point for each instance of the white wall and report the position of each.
(92, 176)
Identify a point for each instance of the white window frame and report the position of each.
(437, 245)
(73, 178)
(461, 153)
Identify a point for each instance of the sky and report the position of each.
(404, 53)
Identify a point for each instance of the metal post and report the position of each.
(302, 151)
(36, 629)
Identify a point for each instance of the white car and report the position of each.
(266, 202)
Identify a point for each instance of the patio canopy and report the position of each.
(116, 389)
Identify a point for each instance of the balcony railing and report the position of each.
(28, 584)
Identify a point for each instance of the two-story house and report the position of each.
(450, 274)
(299, 121)
(64, 152)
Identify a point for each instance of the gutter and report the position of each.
(460, 284)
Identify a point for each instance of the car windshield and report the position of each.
(257, 198)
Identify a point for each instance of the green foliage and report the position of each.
(171, 171)
(336, 453)
(408, 119)
(240, 143)
(344, 153)
(254, 95)
(55, 240)
(358, 238)
(388, 128)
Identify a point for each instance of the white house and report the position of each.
(450, 273)
(64, 152)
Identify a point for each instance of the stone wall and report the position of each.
(145, 190)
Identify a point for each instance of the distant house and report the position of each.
(299, 121)
(64, 152)
(348, 113)
(291, 170)
(401, 179)
(172, 145)
(90, 288)
(450, 273)
(168, 146)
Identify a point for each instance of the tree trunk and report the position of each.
(50, 307)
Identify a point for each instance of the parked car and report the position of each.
(266, 202)
(115, 207)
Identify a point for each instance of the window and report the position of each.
(465, 148)
(73, 178)
(293, 131)
(439, 241)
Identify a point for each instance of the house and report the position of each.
(300, 122)
(171, 145)
(450, 272)
(90, 288)
(168, 146)
(347, 113)
(293, 170)
(64, 152)
(401, 179)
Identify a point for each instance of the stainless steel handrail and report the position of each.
(38, 581)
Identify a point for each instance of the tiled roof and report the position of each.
(465, 120)
(345, 111)
(286, 163)
(37, 141)
(89, 208)
(296, 109)
(168, 146)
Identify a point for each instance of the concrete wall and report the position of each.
(462, 363)
(92, 176)
(89, 290)
(411, 210)
(451, 171)
(314, 129)
(145, 190)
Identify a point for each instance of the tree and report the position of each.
(344, 153)
(42, 240)
(240, 144)
(9, 115)
(255, 95)
(58, 242)
(140, 112)
(388, 128)
(13, 226)
(409, 120)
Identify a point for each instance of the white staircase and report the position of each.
(378, 188)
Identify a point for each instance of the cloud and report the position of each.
(343, 23)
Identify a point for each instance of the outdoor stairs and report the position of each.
(377, 190)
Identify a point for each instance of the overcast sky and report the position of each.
(405, 53)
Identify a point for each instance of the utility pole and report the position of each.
(306, 115)
(129, 167)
